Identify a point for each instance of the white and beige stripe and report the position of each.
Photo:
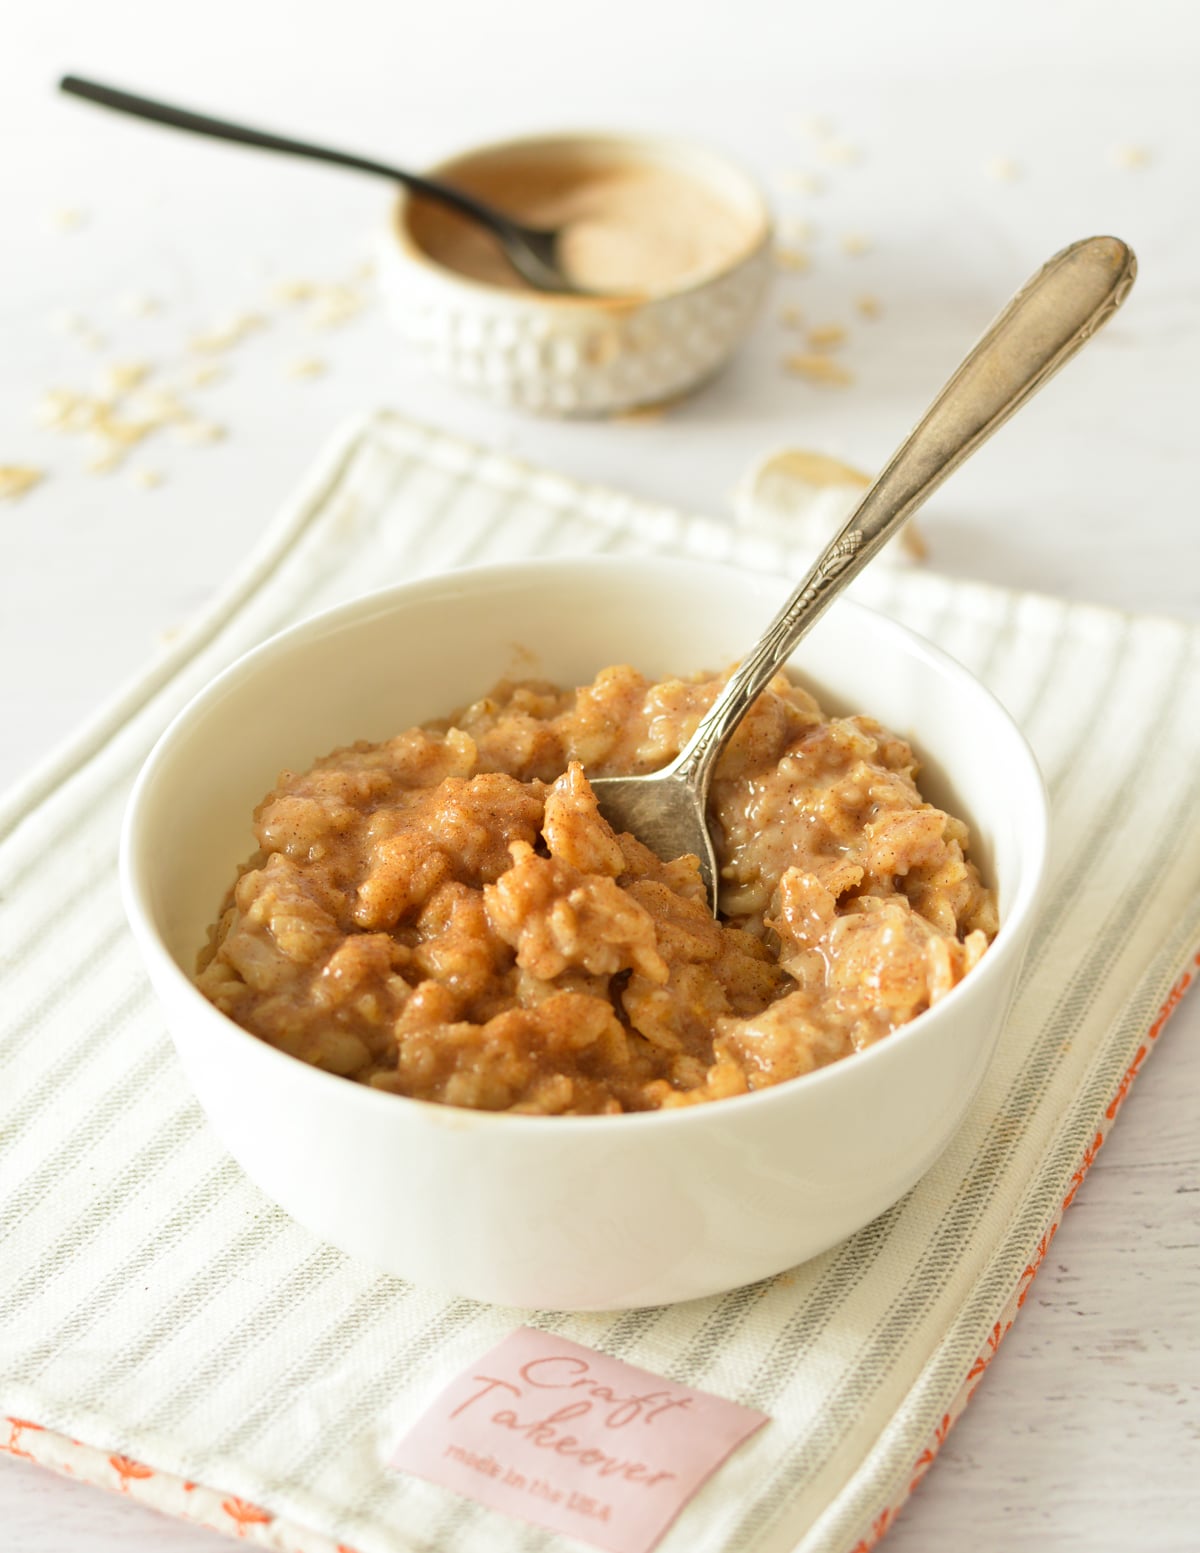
(165, 1329)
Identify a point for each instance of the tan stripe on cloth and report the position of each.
(156, 1308)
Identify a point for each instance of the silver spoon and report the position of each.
(532, 252)
(1040, 329)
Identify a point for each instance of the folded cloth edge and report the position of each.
(868, 1504)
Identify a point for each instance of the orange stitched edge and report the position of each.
(886, 1518)
(124, 1475)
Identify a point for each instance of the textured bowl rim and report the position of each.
(1029, 792)
(401, 244)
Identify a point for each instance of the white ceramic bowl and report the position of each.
(565, 355)
(570, 1212)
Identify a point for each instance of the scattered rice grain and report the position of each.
(1130, 158)
(817, 368)
(17, 480)
(228, 334)
(645, 414)
(197, 433)
(123, 376)
(334, 306)
(160, 407)
(63, 409)
(105, 460)
(293, 290)
(826, 337)
(106, 427)
(210, 372)
(797, 231)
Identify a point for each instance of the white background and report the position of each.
(1086, 1433)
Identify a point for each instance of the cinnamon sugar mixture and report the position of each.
(447, 916)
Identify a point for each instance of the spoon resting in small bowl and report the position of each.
(1043, 326)
(532, 251)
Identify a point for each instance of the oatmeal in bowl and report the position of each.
(446, 915)
(452, 1023)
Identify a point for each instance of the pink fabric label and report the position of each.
(574, 1441)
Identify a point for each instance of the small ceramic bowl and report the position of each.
(572, 355)
(570, 1212)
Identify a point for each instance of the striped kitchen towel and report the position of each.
(166, 1331)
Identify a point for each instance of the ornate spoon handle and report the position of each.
(1040, 329)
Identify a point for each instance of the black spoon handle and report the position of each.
(241, 134)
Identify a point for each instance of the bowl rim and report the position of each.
(401, 245)
(1029, 788)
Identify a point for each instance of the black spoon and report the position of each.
(532, 252)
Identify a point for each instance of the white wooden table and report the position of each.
(965, 145)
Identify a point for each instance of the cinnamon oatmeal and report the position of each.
(447, 916)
